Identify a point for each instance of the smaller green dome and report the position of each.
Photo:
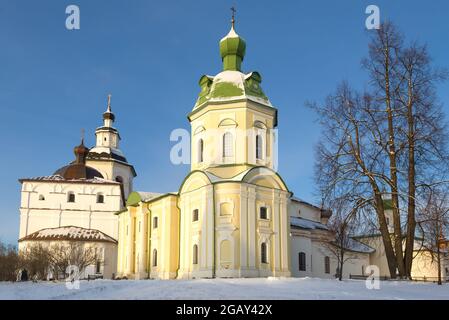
(232, 51)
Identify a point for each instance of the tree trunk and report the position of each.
(340, 273)
(439, 262)
(393, 168)
(411, 221)
(389, 252)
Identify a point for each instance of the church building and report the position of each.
(78, 202)
(231, 216)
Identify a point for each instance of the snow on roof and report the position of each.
(58, 177)
(238, 80)
(231, 34)
(146, 196)
(358, 246)
(69, 233)
(213, 178)
(296, 199)
(108, 150)
(307, 224)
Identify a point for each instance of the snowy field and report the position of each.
(251, 289)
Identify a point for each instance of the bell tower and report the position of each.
(233, 123)
(107, 157)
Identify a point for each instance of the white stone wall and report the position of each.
(55, 210)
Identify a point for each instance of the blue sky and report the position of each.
(150, 56)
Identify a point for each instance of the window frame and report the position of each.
(227, 145)
(266, 213)
(200, 150)
(195, 215)
(263, 253)
(327, 265)
(259, 147)
(69, 197)
(195, 254)
(302, 262)
(100, 196)
(155, 222)
(154, 264)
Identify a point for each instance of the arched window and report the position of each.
(200, 150)
(259, 147)
(263, 253)
(41, 197)
(302, 261)
(195, 254)
(327, 265)
(100, 198)
(71, 197)
(228, 148)
(154, 258)
(195, 215)
(155, 223)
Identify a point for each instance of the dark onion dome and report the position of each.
(108, 115)
(78, 169)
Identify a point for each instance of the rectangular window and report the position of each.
(155, 223)
(258, 147)
(228, 145)
(195, 215)
(327, 265)
(71, 197)
(263, 213)
(302, 261)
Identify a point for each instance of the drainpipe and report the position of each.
(149, 224)
(179, 234)
(214, 240)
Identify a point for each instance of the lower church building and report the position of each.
(77, 203)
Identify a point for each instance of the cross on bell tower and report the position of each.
(233, 16)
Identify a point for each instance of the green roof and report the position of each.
(232, 83)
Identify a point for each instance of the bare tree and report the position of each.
(349, 158)
(403, 83)
(9, 262)
(433, 221)
(342, 225)
(390, 139)
(72, 254)
(36, 260)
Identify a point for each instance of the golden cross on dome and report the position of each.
(82, 135)
(233, 15)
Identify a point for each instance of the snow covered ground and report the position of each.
(252, 289)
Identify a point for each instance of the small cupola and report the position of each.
(108, 116)
(232, 49)
(81, 153)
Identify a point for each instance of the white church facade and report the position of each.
(78, 202)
